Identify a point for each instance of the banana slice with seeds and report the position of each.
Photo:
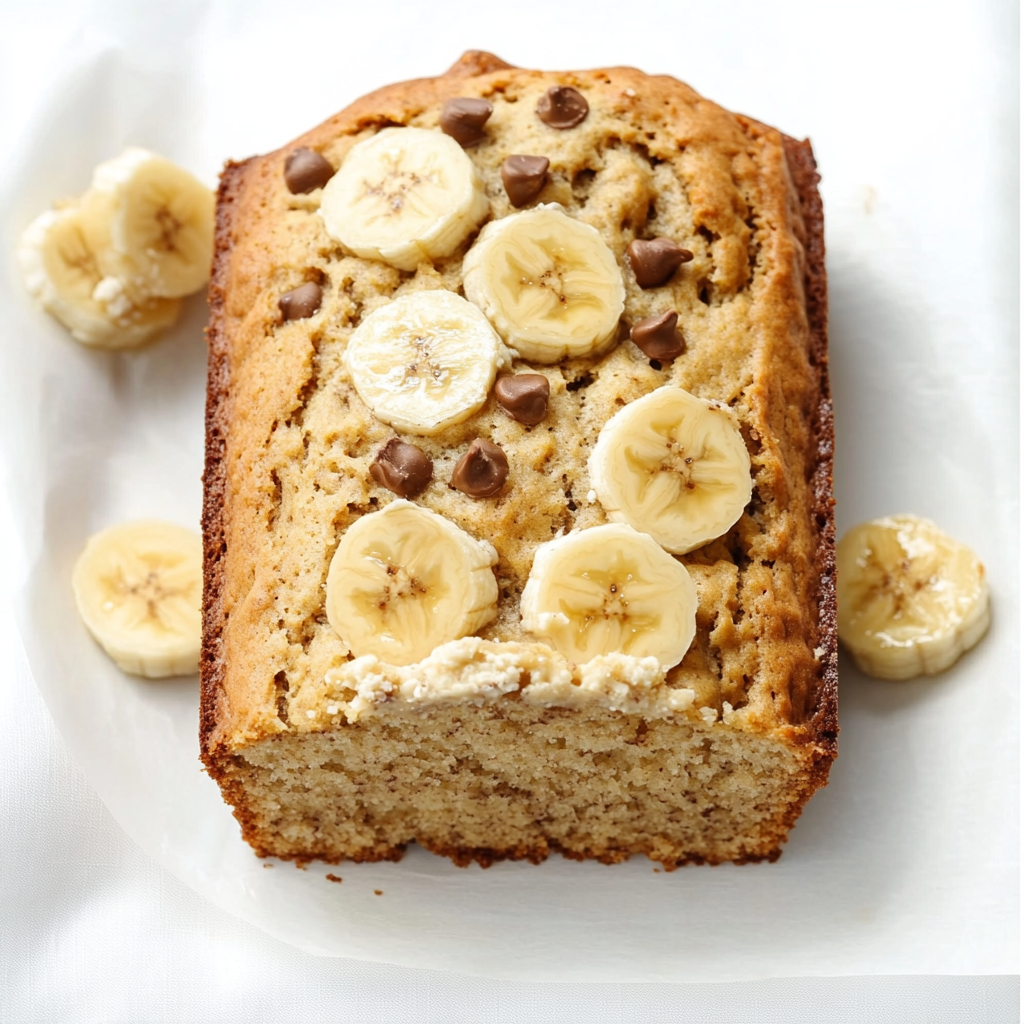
(548, 283)
(404, 580)
(911, 599)
(138, 587)
(674, 466)
(404, 196)
(610, 590)
(425, 361)
(150, 224)
(62, 272)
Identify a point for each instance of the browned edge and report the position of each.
(823, 713)
(485, 856)
(211, 665)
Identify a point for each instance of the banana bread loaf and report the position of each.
(518, 500)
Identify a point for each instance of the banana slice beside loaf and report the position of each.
(496, 744)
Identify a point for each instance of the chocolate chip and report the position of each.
(654, 262)
(481, 471)
(300, 302)
(562, 107)
(524, 177)
(524, 396)
(401, 467)
(657, 336)
(305, 170)
(464, 119)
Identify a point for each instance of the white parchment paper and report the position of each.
(907, 862)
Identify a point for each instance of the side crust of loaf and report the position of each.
(824, 715)
(243, 764)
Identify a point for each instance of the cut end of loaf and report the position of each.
(509, 781)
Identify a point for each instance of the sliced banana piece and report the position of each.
(674, 466)
(911, 599)
(62, 273)
(404, 196)
(425, 361)
(610, 590)
(139, 589)
(404, 580)
(548, 283)
(150, 224)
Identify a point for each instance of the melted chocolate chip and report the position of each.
(524, 177)
(654, 262)
(562, 107)
(464, 119)
(300, 302)
(657, 336)
(481, 472)
(401, 467)
(524, 396)
(305, 170)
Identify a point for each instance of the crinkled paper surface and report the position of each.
(907, 862)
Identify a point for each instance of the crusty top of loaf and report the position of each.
(290, 442)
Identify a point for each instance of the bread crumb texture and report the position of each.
(496, 746)
(508, 780)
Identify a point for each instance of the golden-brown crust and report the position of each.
(476, 62)
(823, 707)
(485, 856)
(215, 469)
(811, 707)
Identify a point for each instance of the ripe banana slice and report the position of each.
(610, 590)
(674, 466)
(139, 590)
(150, 224)
(405, 580)
(424, 361)
(548, 283)
(911, 599)
(62, 273)
(404, 196)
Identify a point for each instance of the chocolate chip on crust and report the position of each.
(655, 261)
(482, 471)
(305, 170)
(401, 467)
(657, 336)
(464, 118)
(300, 302)
(524, 396)
(562, 107)
(524, 178)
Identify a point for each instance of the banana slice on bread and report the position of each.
(674, 466)
(911, 599)
(425, 361)
(609, 590)
(404, 196)
(405, 580)
(548, 283)
(138, 587)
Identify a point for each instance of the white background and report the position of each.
(912, 110)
